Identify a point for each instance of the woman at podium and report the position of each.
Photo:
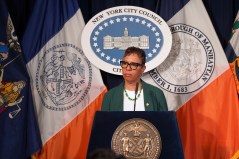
(133, 94)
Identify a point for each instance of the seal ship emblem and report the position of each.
(137, 138)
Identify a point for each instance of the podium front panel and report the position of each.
(106, 122)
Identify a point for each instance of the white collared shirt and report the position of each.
(129, 104)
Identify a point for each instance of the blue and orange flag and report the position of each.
(68, 89)
(202, 88)
(19, 131)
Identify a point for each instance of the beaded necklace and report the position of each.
(136, 96)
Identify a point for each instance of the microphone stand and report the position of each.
(136, 91)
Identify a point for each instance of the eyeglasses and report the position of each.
(133, 65)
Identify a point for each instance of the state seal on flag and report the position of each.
(109, 33)
(190, 63)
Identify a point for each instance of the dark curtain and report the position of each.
(221, 12)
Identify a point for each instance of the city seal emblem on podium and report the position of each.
(137, 139)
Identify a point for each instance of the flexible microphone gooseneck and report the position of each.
(136, 91)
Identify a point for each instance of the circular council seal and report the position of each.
(63, 77)
(109, 33)
(190, 63)
(137, 139)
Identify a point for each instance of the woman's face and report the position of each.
(130, 75)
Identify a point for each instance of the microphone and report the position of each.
(136, 91)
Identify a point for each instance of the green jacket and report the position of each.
(154, 99)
